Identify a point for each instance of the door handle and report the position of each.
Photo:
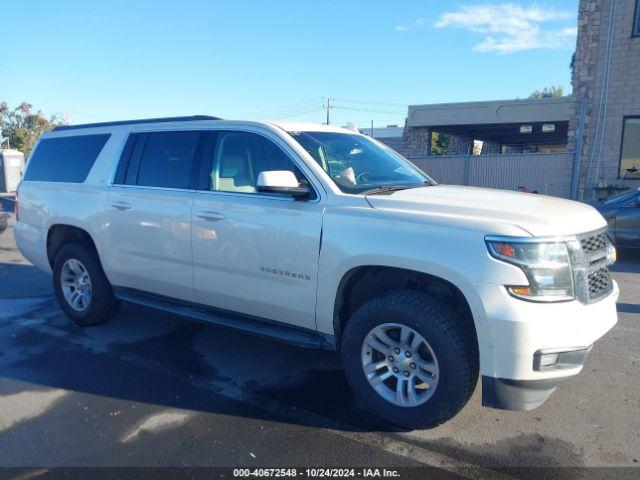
(121, 205)
(210, 216)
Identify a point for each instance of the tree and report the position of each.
(439, 143)
(21, 127)
(548, 92)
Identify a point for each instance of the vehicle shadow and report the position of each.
(19, 280)
(149, 356)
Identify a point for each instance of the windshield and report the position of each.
(623, 197)
(358, 165)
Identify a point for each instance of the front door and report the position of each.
(254, 253)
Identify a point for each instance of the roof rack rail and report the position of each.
(133, 122)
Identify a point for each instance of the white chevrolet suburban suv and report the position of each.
(325, 238)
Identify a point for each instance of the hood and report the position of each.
(537, 214)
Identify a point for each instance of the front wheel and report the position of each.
(409, 359)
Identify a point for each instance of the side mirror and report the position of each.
(283, 182)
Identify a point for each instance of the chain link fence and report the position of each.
(545, 173)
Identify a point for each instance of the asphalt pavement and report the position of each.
(154, 389)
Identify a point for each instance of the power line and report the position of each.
(297, 113)
(368, 102)
(294, 111)
(358, 109)
(285, 108)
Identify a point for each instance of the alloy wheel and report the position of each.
(76, 284)
(400, 365)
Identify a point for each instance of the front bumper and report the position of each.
(522, 395)
(507, 394)
(518, 332)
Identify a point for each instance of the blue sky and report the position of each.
(107, 60)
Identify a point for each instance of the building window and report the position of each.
(636, 23)
(630, 156)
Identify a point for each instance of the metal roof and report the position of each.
(491, 112)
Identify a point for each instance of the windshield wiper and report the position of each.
(388, 189)
(385, 189)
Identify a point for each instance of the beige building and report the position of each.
(605, 126)
(525, 125)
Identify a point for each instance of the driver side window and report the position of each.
(239, 157)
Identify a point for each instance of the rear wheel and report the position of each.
(81, 287)
(409, 359)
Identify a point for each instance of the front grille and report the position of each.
(599, 283)
(594, 243)
(591, 275)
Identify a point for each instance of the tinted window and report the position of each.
(65, 159)
(630, 154)
(167, 159)
(239, 157)
(636, 25)
(622, 198)
(125, 156)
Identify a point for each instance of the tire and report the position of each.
(455, 352)
(101, 305)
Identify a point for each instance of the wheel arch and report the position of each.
(364, 282)
(60, 234)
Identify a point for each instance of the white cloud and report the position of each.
(510, 28)
(418, 23)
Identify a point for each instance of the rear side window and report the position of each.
(160, 159)
(65, 159)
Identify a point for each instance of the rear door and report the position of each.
(148, 222)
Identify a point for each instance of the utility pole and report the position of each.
(328, 106)
(371, 128)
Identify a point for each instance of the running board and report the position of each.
(300, 336)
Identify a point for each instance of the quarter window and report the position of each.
(239, 157)
(167, 160)
(65, 159)
(630, 156)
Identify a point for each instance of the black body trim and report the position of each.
(125, 156)
(520, 395)
(135, 122)
(295, 335)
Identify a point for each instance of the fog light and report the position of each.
(548, 359)
(554, 359)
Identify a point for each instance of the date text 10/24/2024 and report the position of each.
(317, 472)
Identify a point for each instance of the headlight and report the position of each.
(546, 264)
(612, 255)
